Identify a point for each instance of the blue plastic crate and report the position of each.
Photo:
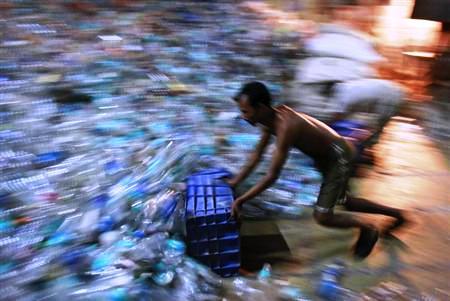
(348, 128)
(212, 238)
(351, 129)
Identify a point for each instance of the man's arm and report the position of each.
(279, 158)
(253, 161)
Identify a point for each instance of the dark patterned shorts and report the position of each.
(335, 178)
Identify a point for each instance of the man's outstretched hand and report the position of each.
(232, 182)
(236, 210)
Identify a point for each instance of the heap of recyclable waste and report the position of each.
(103, 114)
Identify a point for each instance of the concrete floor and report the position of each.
(411, 173)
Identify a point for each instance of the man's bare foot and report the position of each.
(398, 223)
(366, 242)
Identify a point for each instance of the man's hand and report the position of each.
(253, 161)
(232, 182)
(236, 210)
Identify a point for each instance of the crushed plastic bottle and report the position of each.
(330, 288)
(291, 293)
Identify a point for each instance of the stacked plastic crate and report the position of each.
(349, 128)
(212, 237)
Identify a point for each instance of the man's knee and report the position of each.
(322, 218)
(350, 202)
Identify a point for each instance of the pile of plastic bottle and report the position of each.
(102, 115)
(104, 111)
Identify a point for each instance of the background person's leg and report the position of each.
(387, 105)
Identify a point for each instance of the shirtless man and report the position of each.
(332, 155)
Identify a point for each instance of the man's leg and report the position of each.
(333, 191)
(339, 220)
(368, 233)
(366, 206)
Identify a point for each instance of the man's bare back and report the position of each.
(307, 134)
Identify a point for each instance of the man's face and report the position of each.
(249, 113)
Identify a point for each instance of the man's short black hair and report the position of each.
(257, 94)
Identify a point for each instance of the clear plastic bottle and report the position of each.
(174, 252)
(91, 218)
(265, 273)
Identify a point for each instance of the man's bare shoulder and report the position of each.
(290, 118)
(288, 111)
(289, 125)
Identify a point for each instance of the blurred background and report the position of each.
(107, 106)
